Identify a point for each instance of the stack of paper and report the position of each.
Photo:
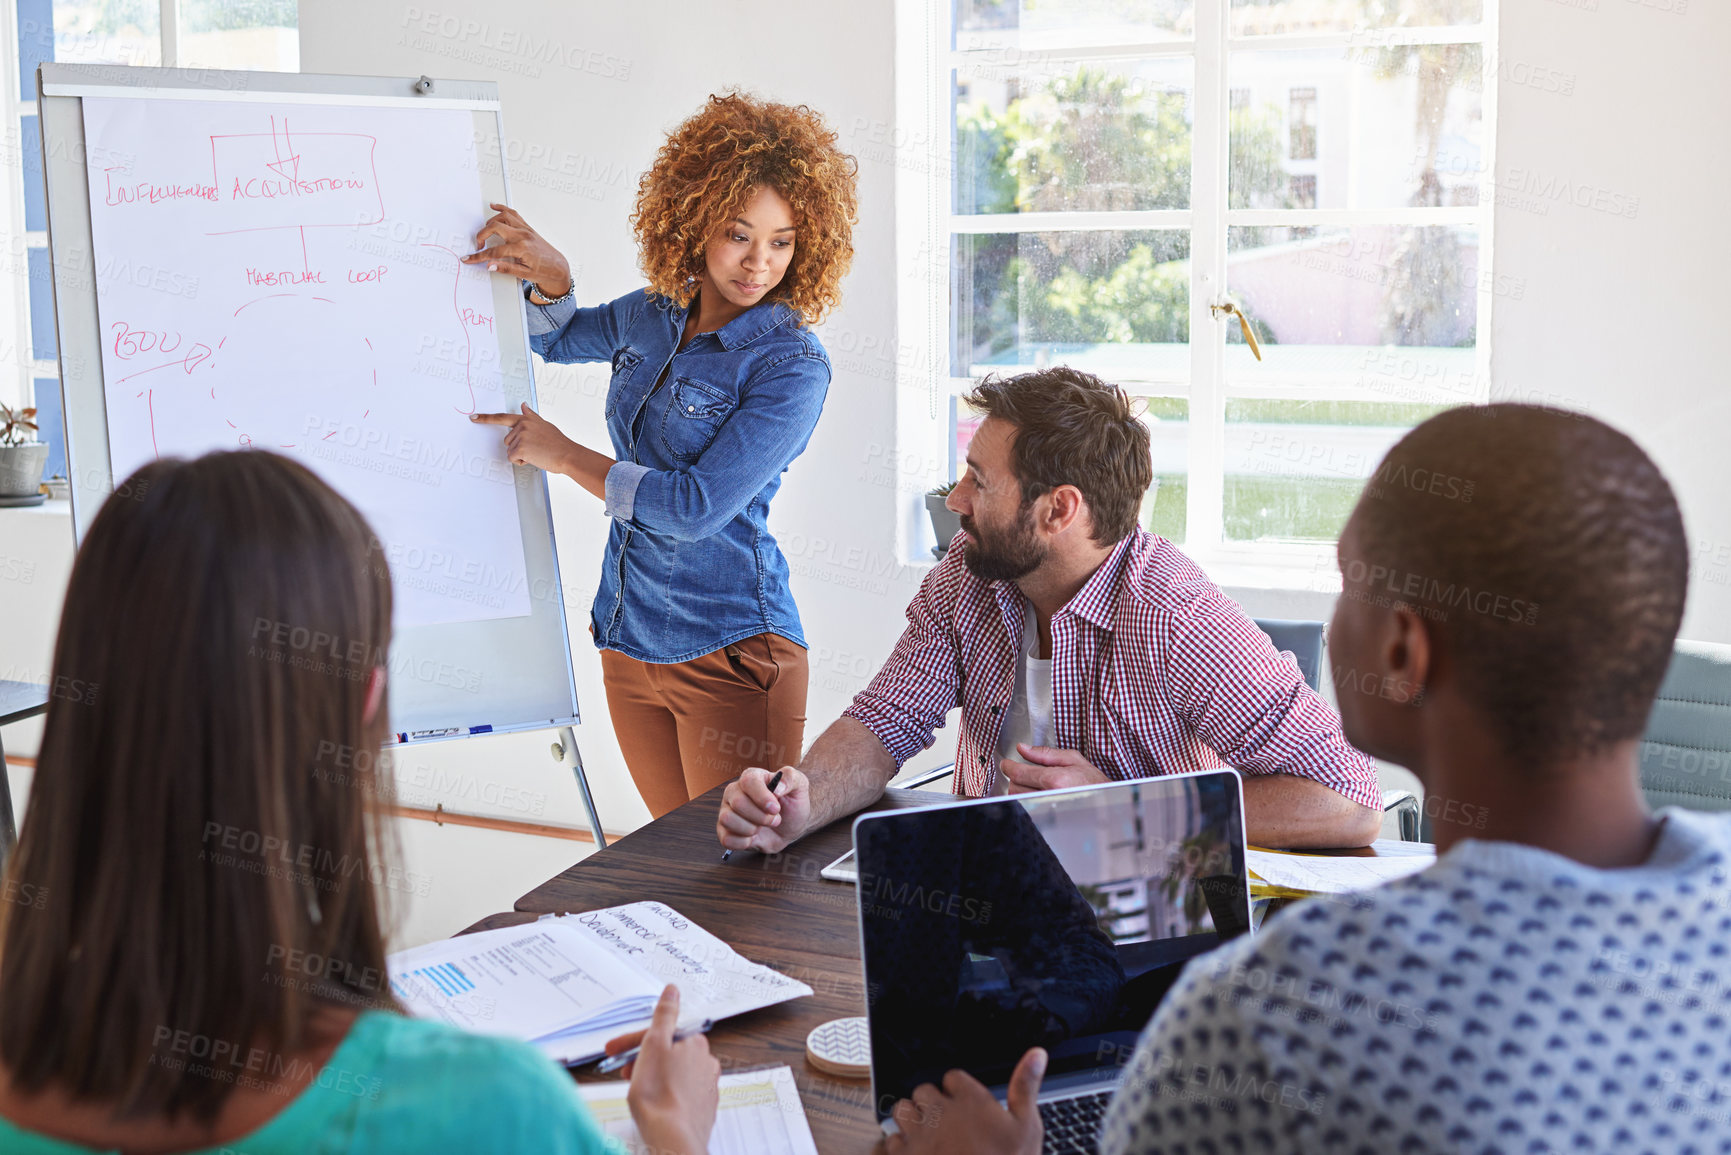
(1274, 871)
(760, 1115)
(570, 983)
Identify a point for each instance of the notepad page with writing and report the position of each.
(715, 982)
(760, 1114)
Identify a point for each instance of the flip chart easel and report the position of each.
(271, 260)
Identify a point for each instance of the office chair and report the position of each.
(1686, 751)
(1302, 640)
(1685, 754)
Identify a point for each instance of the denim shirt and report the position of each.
(690, 564)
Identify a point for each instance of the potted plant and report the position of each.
(945, 524)
(22, 457)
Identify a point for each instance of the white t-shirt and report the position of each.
(1029, 716)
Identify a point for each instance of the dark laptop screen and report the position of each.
(1056, 920)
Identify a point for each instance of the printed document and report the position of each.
(760, 1115)
(569, 983)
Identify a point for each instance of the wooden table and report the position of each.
(774, 910)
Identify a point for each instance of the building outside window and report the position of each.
(1301, 124)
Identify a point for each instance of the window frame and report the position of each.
(29, 366)
(927, 63)
(23, 365)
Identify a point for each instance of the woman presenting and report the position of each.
(745, 228)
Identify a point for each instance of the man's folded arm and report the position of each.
(1305, 786)
(1296, 813)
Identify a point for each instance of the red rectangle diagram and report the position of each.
(283, 179)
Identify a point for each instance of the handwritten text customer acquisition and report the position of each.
(253, 188)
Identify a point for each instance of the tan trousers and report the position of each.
(687, 727)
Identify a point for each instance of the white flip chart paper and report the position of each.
(286, 277)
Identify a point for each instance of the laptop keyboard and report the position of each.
(1073, 1125)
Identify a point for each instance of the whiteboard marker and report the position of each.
(481, 729)
(446, 732)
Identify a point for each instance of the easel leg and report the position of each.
(8, 832)
(569, 752)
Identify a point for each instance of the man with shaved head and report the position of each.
(1557, 981)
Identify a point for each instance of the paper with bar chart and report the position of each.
(525, 982)
(569, 983)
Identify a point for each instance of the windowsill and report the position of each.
(53, 507)
(1273, 575)
(1279, 574)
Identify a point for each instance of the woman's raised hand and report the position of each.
(520, 252)
(674, 1084)
(531, 439)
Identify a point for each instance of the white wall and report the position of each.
(590, 91)
(1625, 104)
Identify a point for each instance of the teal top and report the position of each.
(397, 1084)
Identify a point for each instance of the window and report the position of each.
(242, 34)
(1301, 124)
(1116, 167)
(255, 35)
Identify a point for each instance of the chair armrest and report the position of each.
(926, 778)
(1404, 805)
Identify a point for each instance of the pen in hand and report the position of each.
(625, 1058)
(774, 781)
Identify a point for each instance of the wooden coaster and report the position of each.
(841, 1047)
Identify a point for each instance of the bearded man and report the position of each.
(1080, 647)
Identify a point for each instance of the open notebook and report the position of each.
(569, 983)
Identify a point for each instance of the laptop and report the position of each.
(1057, 919)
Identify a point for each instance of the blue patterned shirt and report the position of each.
(1505, 1000)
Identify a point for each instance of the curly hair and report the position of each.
(714, 163)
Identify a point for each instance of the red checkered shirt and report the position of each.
(1154, 671)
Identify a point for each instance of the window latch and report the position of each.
(1231, 309)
